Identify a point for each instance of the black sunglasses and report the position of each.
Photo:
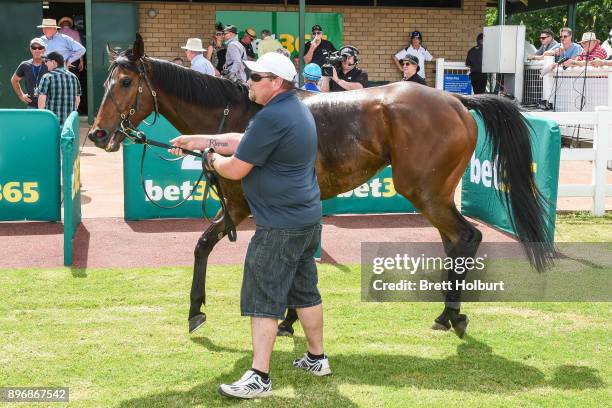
(543, 38)
(37, 48)
(255, 77)
(407, 63)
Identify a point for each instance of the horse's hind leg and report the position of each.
(285, 328)
(461, 240)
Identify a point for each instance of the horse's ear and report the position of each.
(138, 47)
(112, 54)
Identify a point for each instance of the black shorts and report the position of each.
(280, 271)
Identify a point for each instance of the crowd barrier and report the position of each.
(479, 187)
(71, 182)
(30, 188)
(29, 166)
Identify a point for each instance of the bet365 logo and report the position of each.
(484, 172)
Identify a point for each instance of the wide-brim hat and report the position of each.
(274, 63)
(193, 44)
(48, 23)
(588, 36)
(251, 32)
(64, 19)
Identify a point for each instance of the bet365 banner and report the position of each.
(479, 192)
(285, 25)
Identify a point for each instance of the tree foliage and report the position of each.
(553, 18)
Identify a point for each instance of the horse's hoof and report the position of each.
(444, 326)
(196, 322)
(285, 331)
(460, 325)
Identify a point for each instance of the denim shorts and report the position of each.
(280, 271)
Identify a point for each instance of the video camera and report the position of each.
(331, 59)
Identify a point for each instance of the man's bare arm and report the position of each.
(225, 143)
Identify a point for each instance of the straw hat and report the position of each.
(588, 36)
(193, 44)
(251, 32)
(48, 23)
(65, 19)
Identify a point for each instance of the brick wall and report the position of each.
(378, 32)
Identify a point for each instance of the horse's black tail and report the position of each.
(508, 133)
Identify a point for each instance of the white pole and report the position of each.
(440, 73)
(601, 141)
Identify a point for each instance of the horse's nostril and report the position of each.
(100, 133)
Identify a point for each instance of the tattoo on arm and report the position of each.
(215, 143)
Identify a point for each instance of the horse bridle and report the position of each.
(138, 137)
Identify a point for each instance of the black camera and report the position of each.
(333, 59)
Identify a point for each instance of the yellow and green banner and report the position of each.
(285, 25)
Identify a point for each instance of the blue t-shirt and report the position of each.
(571, 52)
(309, 86)
(281, 143)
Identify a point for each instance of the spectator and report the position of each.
(193, 52)
(567, 49)
(234, 57)
(247, 42)
(350, 77)
(70, 50)
(215, 52)
(32, 71)
(591, 50)
(268, 43)
(548, 44)
(317, 49)
(66, 24)
(178, 61)
(607, 45)
(417, 49)
(410, 65)
(60, 91)
(474, 61)
(312, 75)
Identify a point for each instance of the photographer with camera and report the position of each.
(340, 72)
(317, 49)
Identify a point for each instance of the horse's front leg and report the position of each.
(204, 247)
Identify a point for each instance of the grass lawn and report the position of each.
(118, 338)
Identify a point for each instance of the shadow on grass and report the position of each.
(475, 368)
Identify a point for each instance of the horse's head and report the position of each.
(128, 97)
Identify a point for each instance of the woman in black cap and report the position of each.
(415, 48)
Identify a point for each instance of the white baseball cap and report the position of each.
(273, 63)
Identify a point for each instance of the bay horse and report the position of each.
(427, 135)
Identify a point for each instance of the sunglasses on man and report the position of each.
(408, 64)
(544, 37)
(255, 77)
(37, 48)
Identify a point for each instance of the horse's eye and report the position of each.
(126, 82)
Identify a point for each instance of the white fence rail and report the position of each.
(599, 155)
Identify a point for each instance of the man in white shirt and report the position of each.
(607, 45)
(193, 52)
(415, 49)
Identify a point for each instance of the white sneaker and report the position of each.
(250, 385)
(317, 367)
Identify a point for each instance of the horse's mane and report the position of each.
(189, 85)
